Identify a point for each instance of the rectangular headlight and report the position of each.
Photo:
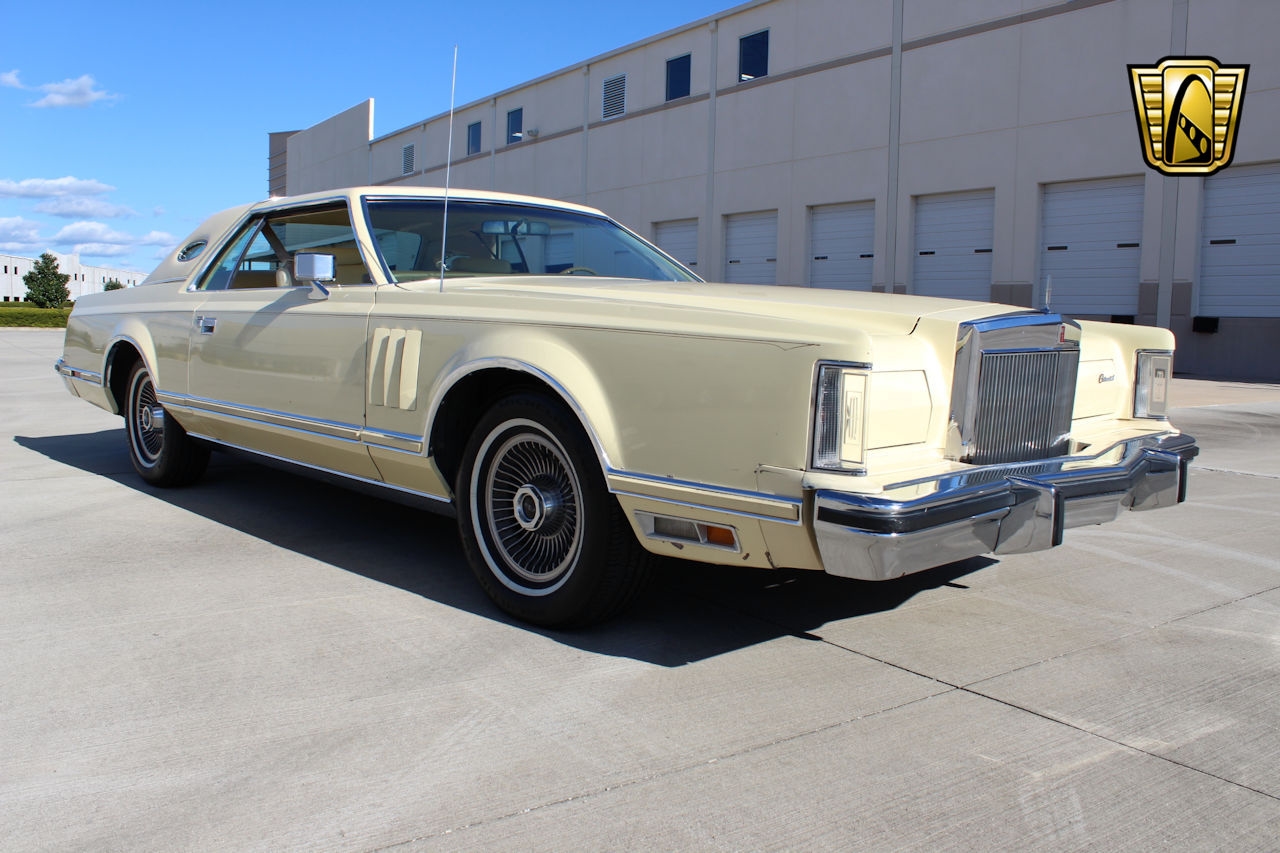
(839, 418)
(1151, 388)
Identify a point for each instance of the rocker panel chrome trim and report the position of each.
(295, 423)
(377, 484)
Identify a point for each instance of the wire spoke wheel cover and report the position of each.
(145, 420)
(161, 451)
(543, 535)
(526, 503)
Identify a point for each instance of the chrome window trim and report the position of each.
(261, 212)
(585, 213)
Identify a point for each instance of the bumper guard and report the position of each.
(999, 509)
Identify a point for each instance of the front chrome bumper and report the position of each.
(998, 509)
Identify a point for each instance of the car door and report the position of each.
(277, 366)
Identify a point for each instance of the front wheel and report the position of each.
(541, 531)
(160, 449)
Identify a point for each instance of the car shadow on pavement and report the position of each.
(688, 612)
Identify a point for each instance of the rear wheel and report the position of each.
(160, 449)
(542, 533)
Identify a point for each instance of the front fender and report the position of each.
(551, 360)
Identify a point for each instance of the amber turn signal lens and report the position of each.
(722, 536)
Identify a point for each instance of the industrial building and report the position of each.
(85, 278)
(984, 150)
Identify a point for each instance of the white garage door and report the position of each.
(953, 245)
(1240, 249)
(751, 247)
(1091, 249)
(679, 239)
(841, 240)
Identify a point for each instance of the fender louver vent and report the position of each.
(615, 96)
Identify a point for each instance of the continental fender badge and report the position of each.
(1188, 111)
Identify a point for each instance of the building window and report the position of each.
(406, 160)
(615, 96)
(515, 125)
(753, 56)
(678, 77)
(473, 138)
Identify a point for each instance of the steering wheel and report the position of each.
(574, 270)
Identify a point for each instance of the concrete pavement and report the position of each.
(262, 662)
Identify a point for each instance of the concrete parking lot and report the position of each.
(261, 662)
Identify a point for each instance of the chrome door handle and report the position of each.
(206, 324)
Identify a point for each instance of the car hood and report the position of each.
(799, 314)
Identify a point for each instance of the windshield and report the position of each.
(487, 238)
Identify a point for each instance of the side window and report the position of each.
(220, 275)
(515, 125)
(753, 56)
(262, 254)
(678, 77)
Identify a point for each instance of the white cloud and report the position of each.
(19, 235)
(10, 79)
(94, 238)
(91, 232)
(157, 238)
(52, 187)
(72, 207)
(80, 92)
(101, 250)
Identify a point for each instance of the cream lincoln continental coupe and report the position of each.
(579, 400)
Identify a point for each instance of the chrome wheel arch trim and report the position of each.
(462, 371)
(145, 354)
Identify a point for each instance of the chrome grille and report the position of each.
(1023, 405)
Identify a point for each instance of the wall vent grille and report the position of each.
(406, 160)
(615, 96)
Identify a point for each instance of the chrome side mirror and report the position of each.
(315, 268)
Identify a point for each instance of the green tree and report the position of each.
(46, 287)
(112, 284)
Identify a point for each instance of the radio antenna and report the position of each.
(448, 165)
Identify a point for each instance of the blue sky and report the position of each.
(122, 130)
